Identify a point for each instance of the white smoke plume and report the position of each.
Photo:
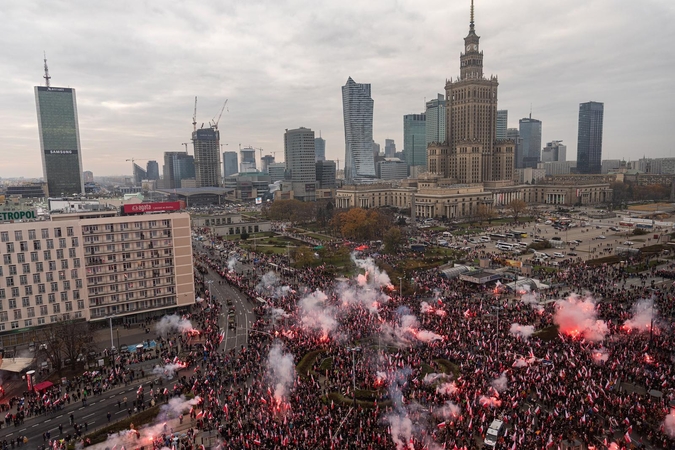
(426, 308)
(428, 336)
(519, 362)
(281, 371)
(500, 384)
(431, 378)
(278, 313)
(232, 263)
(369, 298)
(449, 411)
(447, 388)
(492, 402)
(373, 275)
(600, 355)
(270, 285)
(530, 298)
(577, 317)
(669, 424)
(524, 331)
(316, 314)
(173, 323)
(168, 371)
(644, 314)
(400, 424)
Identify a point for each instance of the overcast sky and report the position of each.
(137, 66)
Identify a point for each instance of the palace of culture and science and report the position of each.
(472, 169)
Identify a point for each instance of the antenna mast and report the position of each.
(46, 77)
(194, 117)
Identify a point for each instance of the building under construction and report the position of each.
(207, 157)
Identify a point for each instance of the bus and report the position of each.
(521, 234)
(505, 246)
(498, 237)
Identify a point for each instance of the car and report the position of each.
(572, 254)
(484, 239)
(576, 241)
(614, 228)
(602, 236)
(555, 263)
(597, 227)
(628, 243)
(558, 255)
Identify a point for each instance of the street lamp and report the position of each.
(400, 287)
(354, 350)
(112, 342)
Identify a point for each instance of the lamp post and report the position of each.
(354, 350)
(400, 287)
(112, 342)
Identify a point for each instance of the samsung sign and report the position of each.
(18, 215)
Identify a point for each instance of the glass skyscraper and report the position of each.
(319, 149)
(530, 133)
(435, 120)
(59, 140)
(502, 123)
(589, 141)
(357, 106)
(415, 140)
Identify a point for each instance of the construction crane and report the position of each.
(214, 122)
(194, 117)
(185, 144)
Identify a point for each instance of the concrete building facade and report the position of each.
(555, 151)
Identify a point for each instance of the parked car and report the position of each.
(602, 236)
(572, 254)
(628, 242)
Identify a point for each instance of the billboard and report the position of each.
(140, 208)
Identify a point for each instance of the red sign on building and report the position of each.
(140, 208)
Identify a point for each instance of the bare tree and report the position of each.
(517, 207)
(65, 340)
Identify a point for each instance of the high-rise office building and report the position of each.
(530, 133)
(554, 151)
(59, 139)
(389, 148)
(177, 167)
(471, 153)
(376, 149)
(320, 149)
(230, 163)
(415, 140)
(502, 123)
(247, 160)
(513, 134)
(435, 121)
(357, 107)
(152, 169)
(299, 155)
(207, 157)
(277, 171)
(140, 174)
(589, 141)
(325, 174)
(88, 176)
(265, 162)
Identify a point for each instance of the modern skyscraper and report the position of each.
(320, 149)
(247, 160)
(376, 149)
(207, 157)
(277, 171)
(530, 133)
(389, 148)
(502, 123)
(415, 141)
(357, 106)
(471, 153)
(265, 162)
(152, 169)
(139, 174)
(59, 138)
(554, 151)
(299, 155)
(177, 167)
(435, 121)
(230, 163)
(325, 174)
(513, 134)
(589, 141)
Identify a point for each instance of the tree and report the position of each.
(485, 212)
(392, 240)
(303, 256)
(65, 340)
(245, 235)
(517, 207)
(361, 224)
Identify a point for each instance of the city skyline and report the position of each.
(136, 93)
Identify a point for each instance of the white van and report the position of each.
(505, 246)
(494, 432)
(558, 255)
(447, 234)
(540, 255)
(485, 238)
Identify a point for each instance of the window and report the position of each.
(78, 284)
(45, 233)
(51, 298)
(7, 259)
(15, 325)
(73, 274)
(39, 267)
(28, 322)
(15, 292)
(64, 296)
(30, 312)
(76, 295)
(25, 302)
(47, 255)
(64, 263)
(76, 262)
(4, 316)
(59, 254)
(33, 256)
(66, 285)
(38, 300)
(23, 245)
(80, 304)
(62, 243)
(21, 258)
(54, 286)
(9, 281)
(62, 275)
(52, 319)
(57, 232)
(12, 270)
(50, 244)
(56, 308)
(41, 321)
(10, 247)
(69, 306)
(70, 231)
(52, 265)
(71, 253)
(17, 314)
(25, 268)
(43, 310)
(4, 236)
(41, 288)
(2, 294)
(23, 280)
(31, 234)
(29, 290)
(18, 235)
(0, 271)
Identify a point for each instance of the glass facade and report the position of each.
(415, 139)
(59, 140)
(589, 142)
(357, 109)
